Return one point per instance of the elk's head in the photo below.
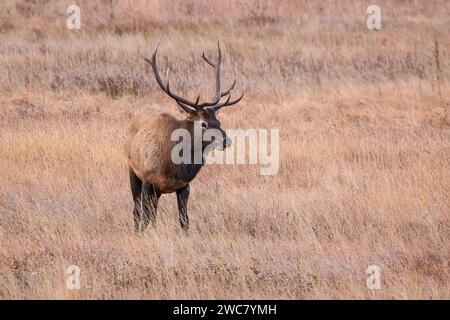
(203, 114)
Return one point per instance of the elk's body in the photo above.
(149, 149)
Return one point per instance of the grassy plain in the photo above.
(364, 172)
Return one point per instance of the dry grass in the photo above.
(364, 176)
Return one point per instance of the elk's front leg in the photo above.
(150, 197)
(182, 199)
(136, 189)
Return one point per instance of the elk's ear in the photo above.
(185, 109)
(182, 110)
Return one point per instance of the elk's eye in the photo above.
(204, 125)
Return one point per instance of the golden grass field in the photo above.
(364, 174)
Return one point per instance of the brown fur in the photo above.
(148, 152)
(149, 147)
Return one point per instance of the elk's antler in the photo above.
(182, 102)
(186, 104)
(219, 94)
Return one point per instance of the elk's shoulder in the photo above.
(153, 120)
(149, 129)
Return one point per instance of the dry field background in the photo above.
(364, 131)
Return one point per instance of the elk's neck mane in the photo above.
(189, 171)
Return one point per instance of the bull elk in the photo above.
(149, 146)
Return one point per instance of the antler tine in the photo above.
(230, 103)
(237, 100)
(219, 61)
(224, 93)
(208, 60)
(167, 79)
(216, 66)
(220, 52)
(226, 101)
(191, 105)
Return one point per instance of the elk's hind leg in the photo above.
(150, 196)
(136, 189)
(182, 199)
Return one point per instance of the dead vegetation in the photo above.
(364, 176)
